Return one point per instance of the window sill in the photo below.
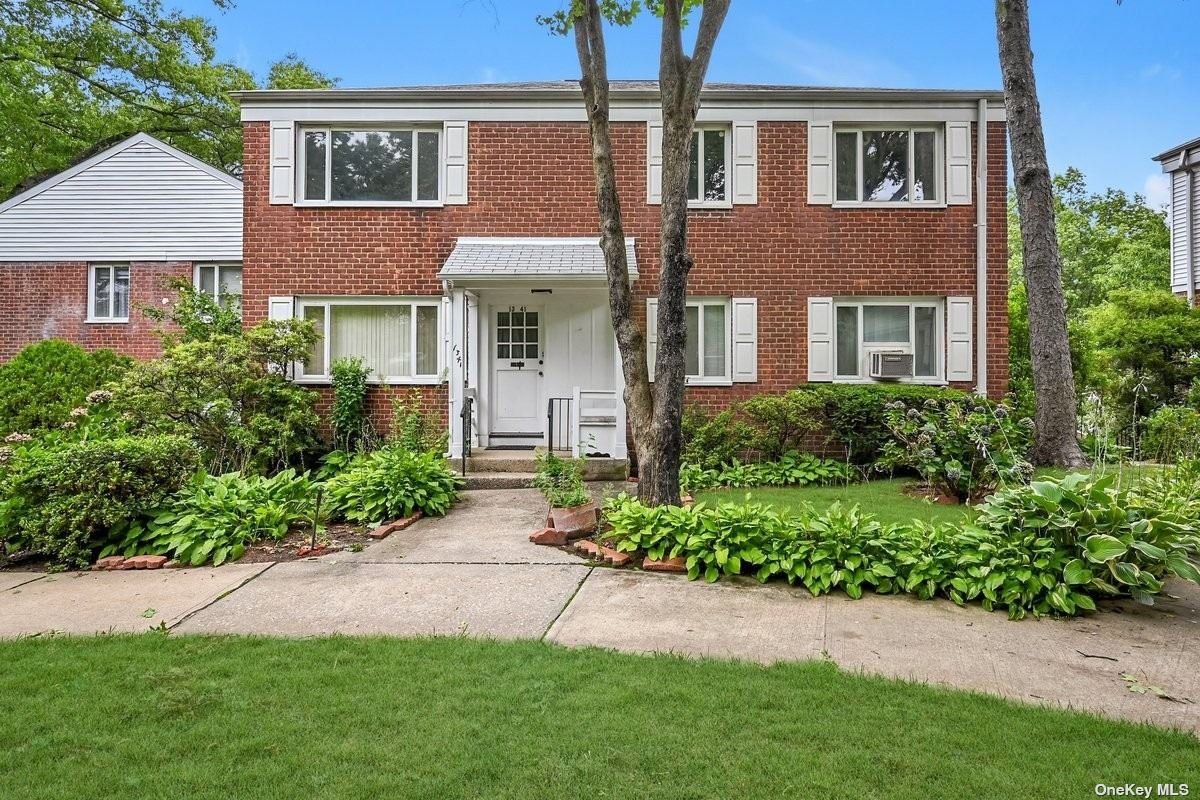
(707, 382)
(107, 320)
(695, 206)
(367, 204)
(848, 204)
(910, 381)
(322, 380)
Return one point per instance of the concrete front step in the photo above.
(486, 462)
(499, 480)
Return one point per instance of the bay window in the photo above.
(706, 354)
(108, 293)
(877, 165)
(707, 184)
(397, 340)
(221, 282)
(391, 166)
(892, 325)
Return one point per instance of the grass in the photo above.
(156, 716)
(883, 498)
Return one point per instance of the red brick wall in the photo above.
(49, 301)
(535, 179)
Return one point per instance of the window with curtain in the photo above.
(397, 341)
(108, 290)
(909, 326)
(706, 353)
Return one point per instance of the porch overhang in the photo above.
(492, 260)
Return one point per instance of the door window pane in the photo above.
(847, 340)
(714, 341)
(102, 292)
(315, 363)
(714, 165)
(691, 352)
(925, 166)
(372, 165)
(314, 165)
(847, 166)
(925, 342)
(427, 165)
(427, 340)
(885, 324)
(120, 300)
(885, 166)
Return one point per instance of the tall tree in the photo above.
(655, 409)
(77, 75)
(1055, 434)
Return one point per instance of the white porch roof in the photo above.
(503, 258)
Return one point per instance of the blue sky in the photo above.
(1113, 79)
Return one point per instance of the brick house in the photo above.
(447, 235)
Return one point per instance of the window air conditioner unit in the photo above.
(891, 364)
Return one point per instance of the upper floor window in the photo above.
(108, 293)
(222, 283)
(371, 166)
(707, 184)
(887, 165)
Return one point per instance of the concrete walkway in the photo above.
(474, 573)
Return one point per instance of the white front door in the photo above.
(517, 354)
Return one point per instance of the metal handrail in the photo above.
(553, 420)
(466, 415)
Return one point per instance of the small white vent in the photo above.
(891, 365)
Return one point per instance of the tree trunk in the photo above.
(1055, 435)
(655, 410)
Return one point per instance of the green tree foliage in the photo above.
(79, 75)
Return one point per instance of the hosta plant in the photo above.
(793, 469)
(393, 482)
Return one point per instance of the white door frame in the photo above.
(534, 431)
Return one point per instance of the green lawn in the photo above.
(882, 498)
(157, 716)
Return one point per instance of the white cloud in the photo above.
(820, 63)
(490, 75)
(1152, 71)
(1158, 190)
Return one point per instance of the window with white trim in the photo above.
(222, 283)
(379, 166)
(862, 326)
(398, 340)
(108, 293)
(707, 355)
(887, 165)
(708, 183)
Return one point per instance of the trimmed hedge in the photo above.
(42, 384)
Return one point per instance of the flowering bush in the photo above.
(962, 447)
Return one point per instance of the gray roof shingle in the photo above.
(498, 257)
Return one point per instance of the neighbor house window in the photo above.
(887, 165)
(396, 339)
(222, 283)
(108, 293)
(707, 353)
(389, 166)
(707, 181)
(905, 326)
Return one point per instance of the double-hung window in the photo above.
(222, 283)
(888, 165)
(707, 354)
(108, 293)
(708, 183)
(397, 339)
(360, 166)
(891, 325)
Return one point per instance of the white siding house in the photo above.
(1182, 163)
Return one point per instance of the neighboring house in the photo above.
(1182, 163)
(448, 236)
(81, 251)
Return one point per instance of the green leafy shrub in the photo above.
(214, 517)
(41, 385)
(413, 428)
(348, 416)
(1049, 547)
(65, 501)
(1171, 433)
(393, 482)
(793, 469)
(229, 393)
(780, 423)
(560, 480)
(195, 316)
(709, 442)
(962, 447)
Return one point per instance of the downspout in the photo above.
(1189, 219)
(981, 251)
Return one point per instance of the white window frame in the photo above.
(698, 159)
(329, 303)
(939, 172)
(865, 348)
(112, 282)
(726, 378)
(217, 267)
(302, 170)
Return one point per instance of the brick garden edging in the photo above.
(388, 528)
(133, 562)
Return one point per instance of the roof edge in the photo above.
(1177, 149)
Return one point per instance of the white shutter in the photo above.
(279, 308)
(820, 338)
(651, 333)
(820, 163)
(454, 135)
(1193, 224)
(654, 143)
(1180, 244)
(283, 147)
(958, 163)
(745, 340)
(958, 339)
(745, 163)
